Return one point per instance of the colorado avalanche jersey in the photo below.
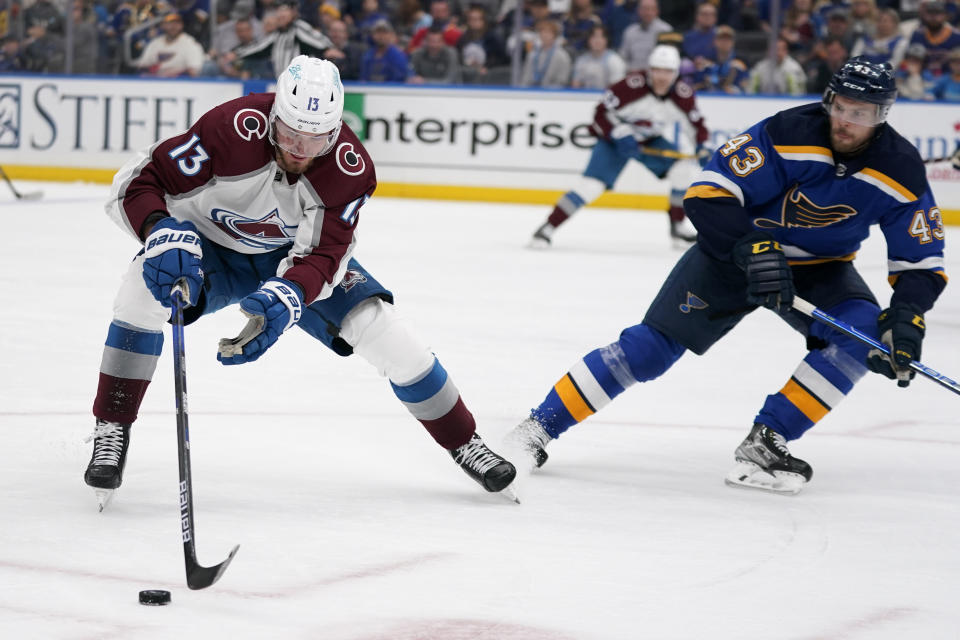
(631, 106)
(222, 175)
(781, 176)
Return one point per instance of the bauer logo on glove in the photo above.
(173, 253)
(183, 238)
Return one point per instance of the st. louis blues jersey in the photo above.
(222, 175)
(781, 176)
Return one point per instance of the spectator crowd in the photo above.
(730, 46)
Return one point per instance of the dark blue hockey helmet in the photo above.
(860, 79)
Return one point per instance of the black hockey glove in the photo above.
(955, 159)
(769, 279)
(901, 328)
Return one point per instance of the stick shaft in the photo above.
(808, 309)
(666, 153)
(198, 577)
(9, 182)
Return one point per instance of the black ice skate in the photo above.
(493, 472)
(764, 462)
(529, 440)
(105, 471)
(542, 237)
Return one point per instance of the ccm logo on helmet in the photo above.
(348, 160)
(249, 123)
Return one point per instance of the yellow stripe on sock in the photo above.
(572, 399)
(801, 399)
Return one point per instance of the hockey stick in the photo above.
(667, 153)
(951, 158)
(198, 577)
(30, 195)
(808, 309)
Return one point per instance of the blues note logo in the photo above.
(693, 302)
(799, 211)
(9, 116)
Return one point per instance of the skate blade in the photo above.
(104, 496)
(509, 493)
(750, 476)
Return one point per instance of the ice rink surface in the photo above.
(354, 525)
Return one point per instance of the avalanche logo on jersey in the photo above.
(799, 211)
(348, 160)
(351, 279)
(269, 232)
(249, 123)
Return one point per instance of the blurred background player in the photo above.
(257, 203)
(631, 122)
(783, 208)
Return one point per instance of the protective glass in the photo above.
(305, 145)
(857, 112)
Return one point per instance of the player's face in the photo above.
(851, 124)
(661, 80)
(292, 162)
(296, 150)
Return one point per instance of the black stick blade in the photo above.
(202, 577)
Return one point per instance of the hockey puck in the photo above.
(155, 597)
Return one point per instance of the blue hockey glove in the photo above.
(273, 308)
(703, 155)
(902, 329)
(172, 252)
(769, 278)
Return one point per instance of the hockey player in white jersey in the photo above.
(636, 120)
(257, 204)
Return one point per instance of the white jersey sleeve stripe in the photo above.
(933, 262)
(818, 385)
(589, 386)
(887, 189)
(720, 180)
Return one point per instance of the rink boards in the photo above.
(500, 145)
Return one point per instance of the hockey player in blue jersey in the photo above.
(782, 209)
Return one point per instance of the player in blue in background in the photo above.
(781, 209)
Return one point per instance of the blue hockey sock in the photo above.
(824, 377)
(435, 401)
(641, 354)
(130, 357)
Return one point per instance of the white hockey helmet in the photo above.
(665, 56)
(307, 112)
